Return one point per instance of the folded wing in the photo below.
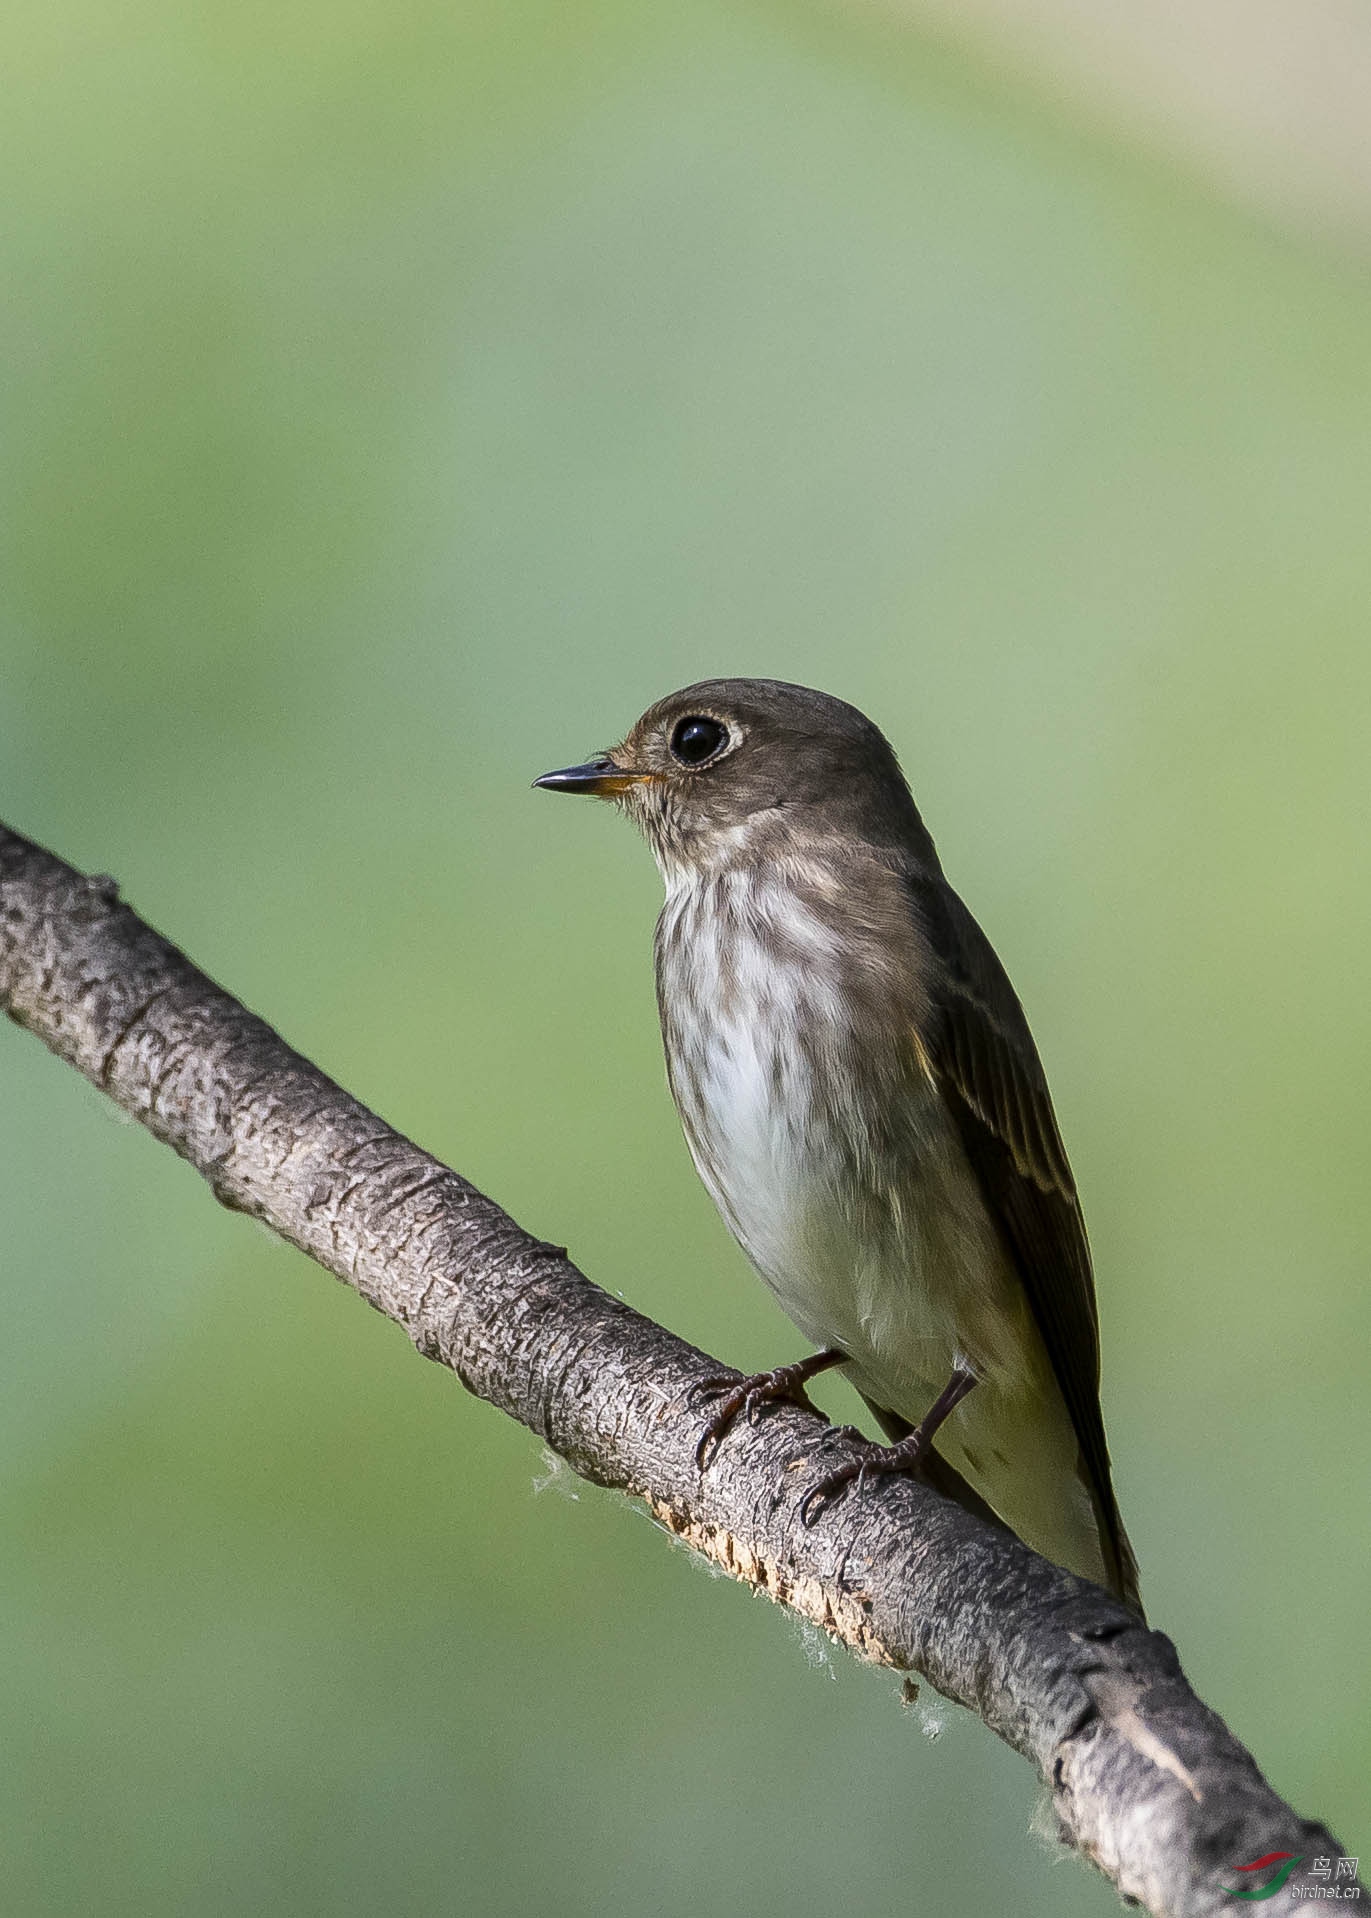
(982, 1052)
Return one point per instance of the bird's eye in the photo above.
(697, 739)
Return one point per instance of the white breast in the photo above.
(869, 1232)
(746, 1094)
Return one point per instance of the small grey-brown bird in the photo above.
(863, 1100)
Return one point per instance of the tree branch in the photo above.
(1147, 1782)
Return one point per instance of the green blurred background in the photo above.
(399, 398)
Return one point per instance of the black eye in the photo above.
(697, 739)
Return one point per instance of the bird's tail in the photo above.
(1120, 1562)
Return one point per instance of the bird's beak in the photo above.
(600, 777)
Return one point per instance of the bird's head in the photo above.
(738, 769)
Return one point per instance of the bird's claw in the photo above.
(747, 1396)
(822, 1494)
(713, 1435)
(879, 1461)
(705, 1388)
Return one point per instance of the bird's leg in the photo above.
(751, 1394)
(906, 1456)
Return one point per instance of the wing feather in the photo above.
(983, 1055)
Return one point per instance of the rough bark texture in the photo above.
(1147, 1782)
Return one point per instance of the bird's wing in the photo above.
(982, 1054)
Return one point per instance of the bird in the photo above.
(865, 1104)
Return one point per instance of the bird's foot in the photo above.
(876, 1462)
(749, 1395)
(880, 1460)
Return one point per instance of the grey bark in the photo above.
(1146, 1781)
